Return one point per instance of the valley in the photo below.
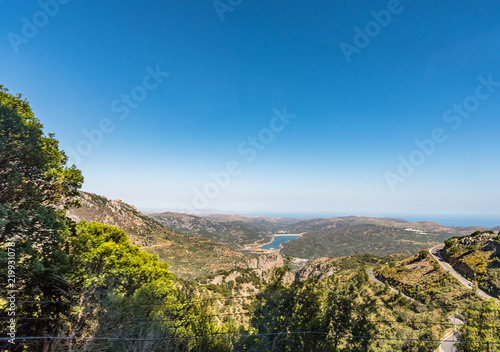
(200, 245)
(234, 258)
(250, 176)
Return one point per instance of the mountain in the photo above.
(234, 234)
(348, 221)
(270, 224)
(351, 239)
(350, 235)
(190, 256)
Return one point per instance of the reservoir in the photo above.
(275, 244)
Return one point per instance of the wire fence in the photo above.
(237, 341)
(45, 341)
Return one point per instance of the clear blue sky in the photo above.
(360, 101)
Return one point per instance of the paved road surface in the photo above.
(448, 341)
(434, 251)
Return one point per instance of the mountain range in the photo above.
(198, 245)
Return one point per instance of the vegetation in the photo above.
(422, 278)
(336, 309)
(34, 185)
(190, 256)
(481, 331)
(478, 257)
(88, 284)
(359, 239)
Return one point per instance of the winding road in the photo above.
(434, 251)
(372, 277)
(449, 340)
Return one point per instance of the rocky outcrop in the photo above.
(222, 279)
(113, 212)
(262, 263)
(320, 268)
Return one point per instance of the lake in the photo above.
(275, 244)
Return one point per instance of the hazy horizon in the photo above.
(465, 220)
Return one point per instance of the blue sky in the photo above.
(204, 77)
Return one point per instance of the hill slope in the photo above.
(269, 224)
(349, 221)
(476, 256)
(358, 239)
(232, 234)
(189, 255)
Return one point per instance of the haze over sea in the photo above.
(444, 219)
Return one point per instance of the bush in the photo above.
(218, 289)
(449, 242)
(454, 250)
(423, 254)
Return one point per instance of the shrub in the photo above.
(423, 254)
(449, 242)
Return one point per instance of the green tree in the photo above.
(481, 329)
(36, 186)
(85, 279)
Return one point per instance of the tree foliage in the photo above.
(36, 186)
(481, 331)
(81, 279)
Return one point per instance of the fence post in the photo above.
(45, 341)
(306, 341)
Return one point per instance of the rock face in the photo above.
(262, 263)
(462, 268)
(115, 213)
(320, 268)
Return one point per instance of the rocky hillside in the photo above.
(190, 256)
(325, 267)
(234, 234)
(476, 256)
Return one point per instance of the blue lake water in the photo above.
(275, 244)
